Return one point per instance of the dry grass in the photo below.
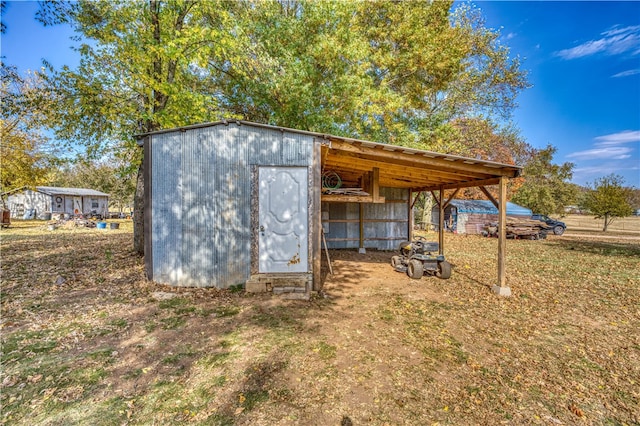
(84, 341)
(629, 224)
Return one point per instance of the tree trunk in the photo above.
(426, 212)
(606, 222)
(138, 212)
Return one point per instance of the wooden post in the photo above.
(410, 204)
(316, 217)
(361, 248)
(501, 288)
(441, 221)
(375, 184)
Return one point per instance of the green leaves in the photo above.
(546, 189)
(396, 72)
(607, 198)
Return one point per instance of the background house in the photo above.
(469, 216)
(46, 200)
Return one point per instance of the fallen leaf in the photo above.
(576, 410)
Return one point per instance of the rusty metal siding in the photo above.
(201, 199)
(465, 222)
(385, 225)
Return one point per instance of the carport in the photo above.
(369, 165)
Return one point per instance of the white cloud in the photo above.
(614, 41)
(618, 138)
(605, 168)
(627, 73)
(614, 31)
(606, 152)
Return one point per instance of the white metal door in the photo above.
(283, 226)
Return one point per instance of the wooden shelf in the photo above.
(337, 198)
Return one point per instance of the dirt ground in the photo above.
(87, 340)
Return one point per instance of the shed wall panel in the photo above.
(166, 208)
(202, 184)
(385, 224)
(269, 147)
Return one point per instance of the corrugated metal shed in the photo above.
(487, 207)
(201, 183)
(203, 192)
(470, 216)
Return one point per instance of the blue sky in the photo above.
(583, 60)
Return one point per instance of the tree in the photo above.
(546, 188)
(301, 66)
(141, 70)
(393, 72)
(396, 72)
(23, 151)
(634, 201)
(3, 6)
(482, 139)
(608, 199)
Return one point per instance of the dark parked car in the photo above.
(555, 225)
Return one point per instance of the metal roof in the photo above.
(487, 207)
(400, 167)
(79, 192)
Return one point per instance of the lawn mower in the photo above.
(417, 259)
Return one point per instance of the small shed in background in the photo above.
(470, 216)
(43, 201)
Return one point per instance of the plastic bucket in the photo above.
(114, 225)
(101, 225)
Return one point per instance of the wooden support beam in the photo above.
(489, 196)
(441, 222)
(435, 197)
(375, 183)
(415, 199)
(316, 217)
(451, 198)
(501, 288)
(410, 224)
(346, 162)
(463, 184)
(361, 248)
